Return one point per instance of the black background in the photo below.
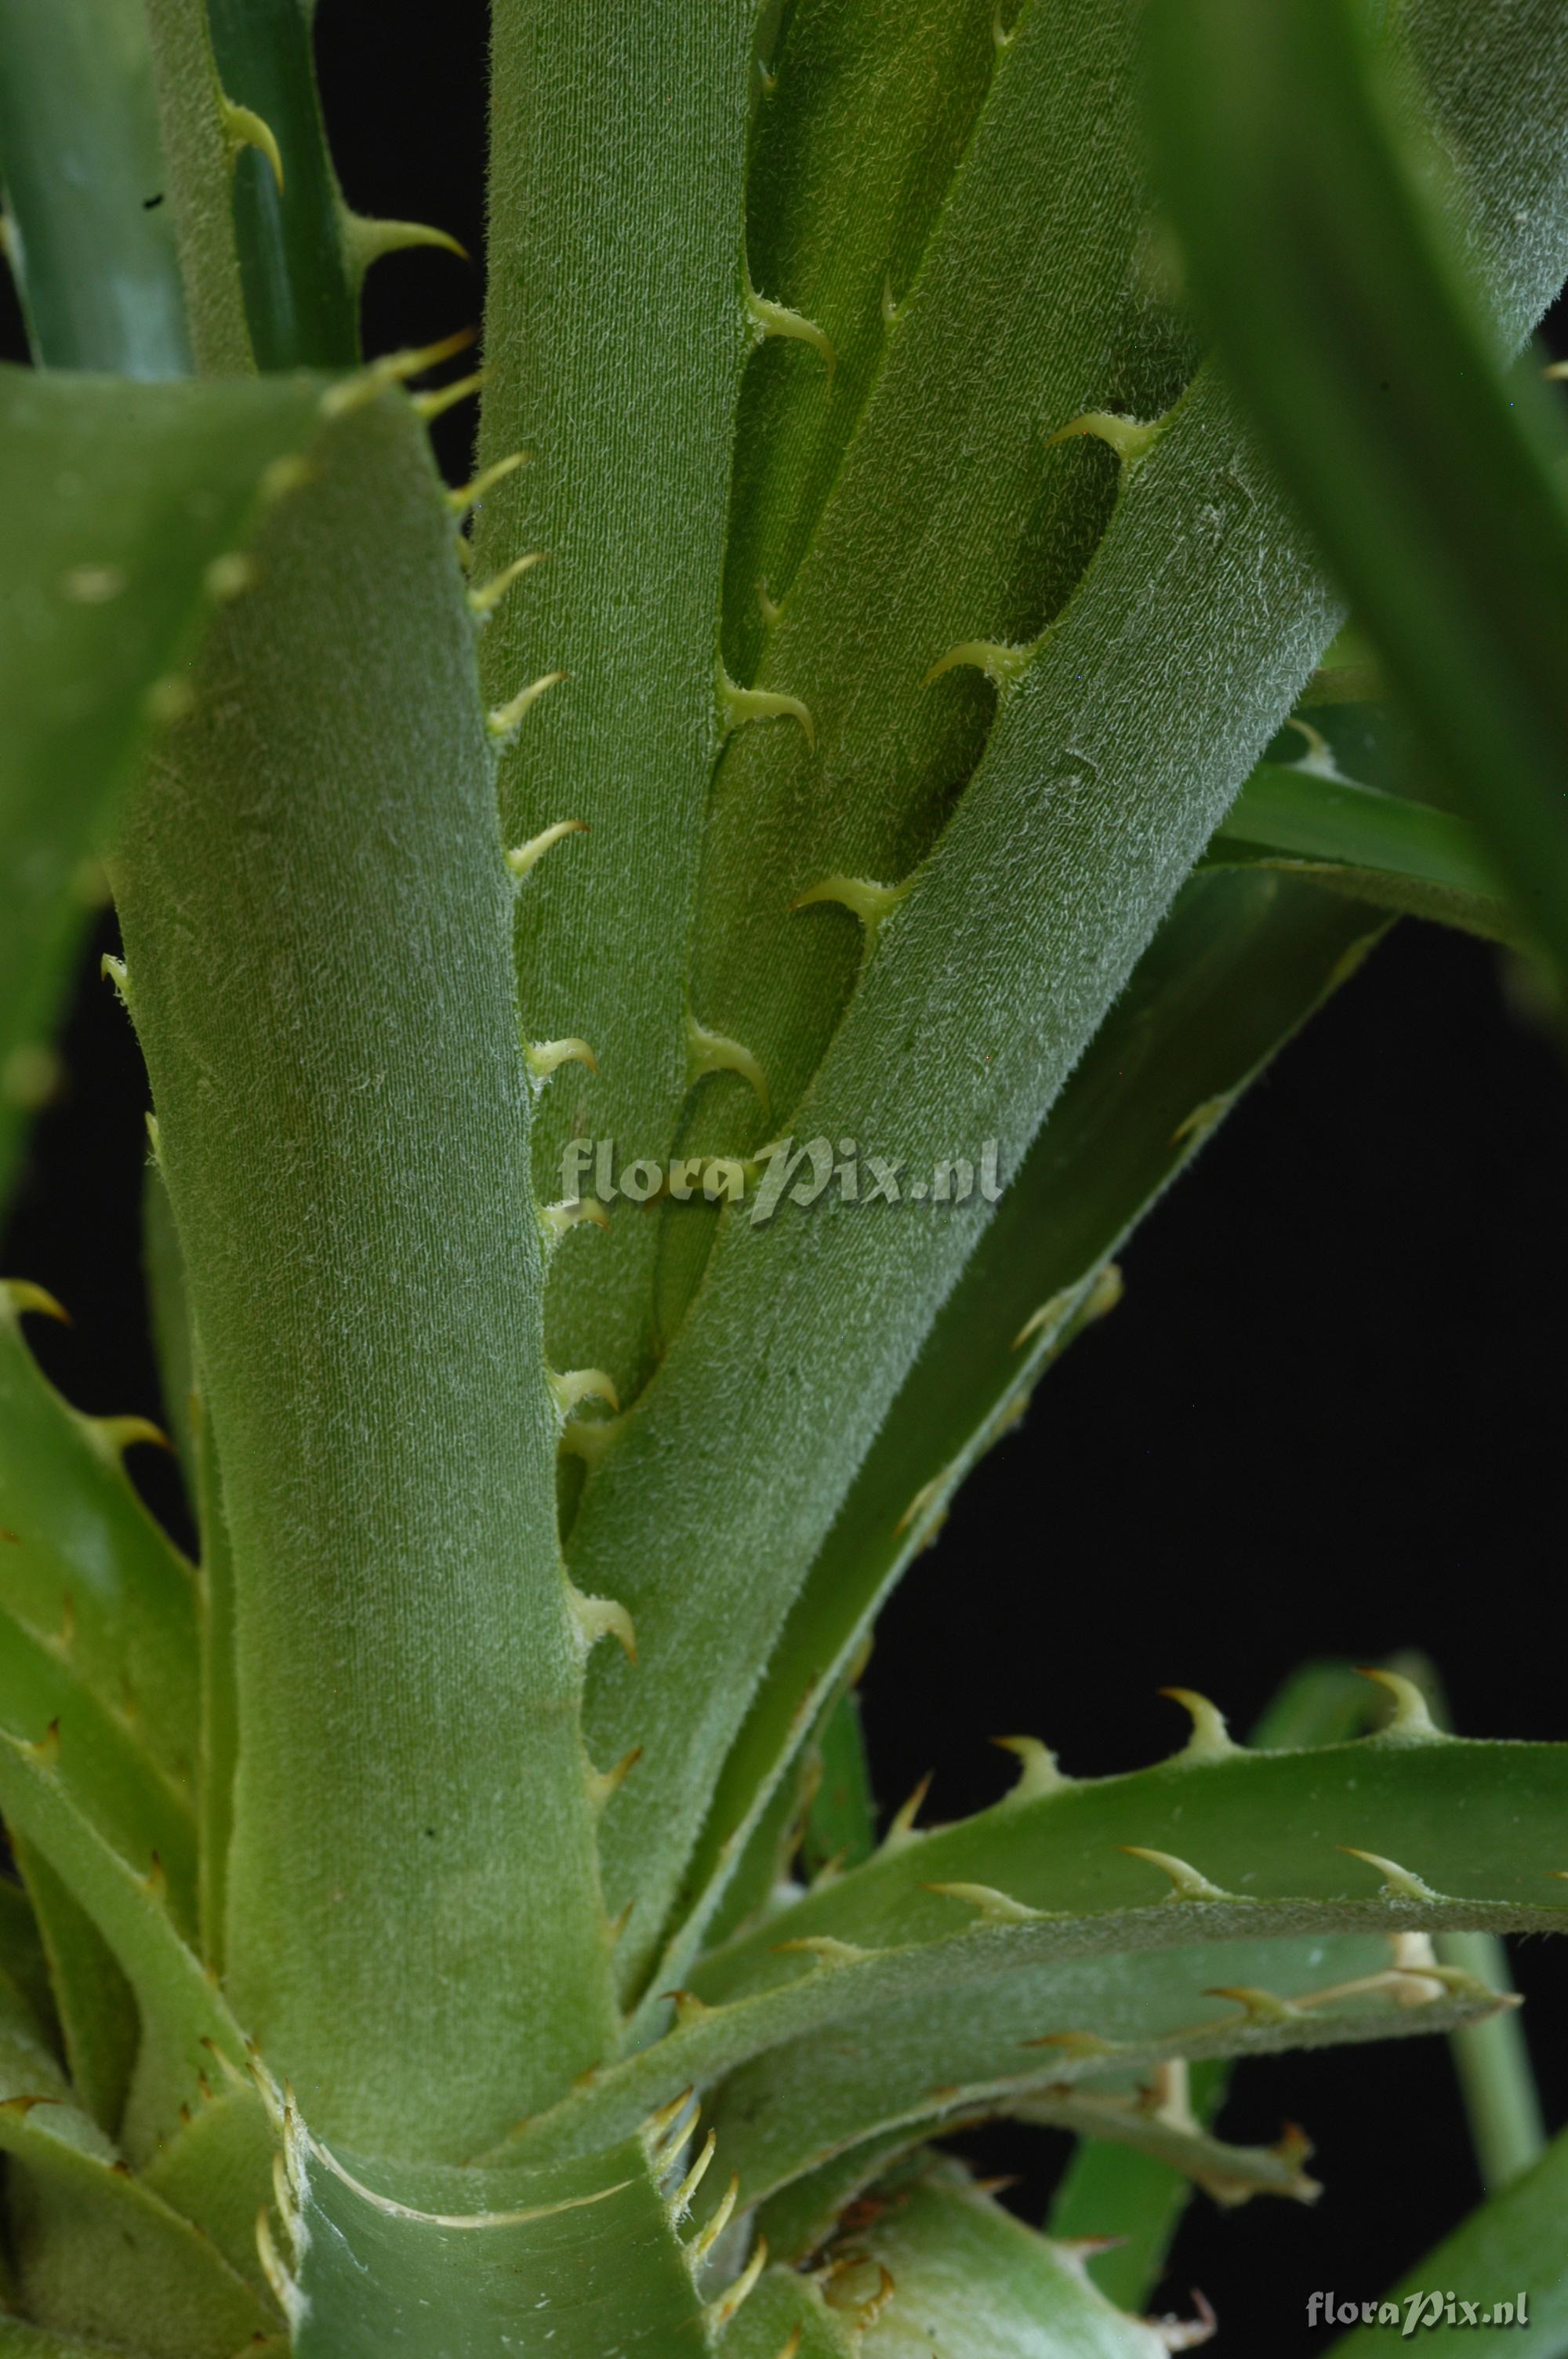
(1326, 1419)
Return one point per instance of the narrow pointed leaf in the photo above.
(626, 604)
(1238, 964)
(1473, 1821)
(1401, 856)
(1373, 381)
(967, 2277)
(90, 1998)
(301, 296)
(84, 1571)
(85, 188)
(104, 582)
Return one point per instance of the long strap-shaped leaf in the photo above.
(1059, 1874)
(94, 248)
(1401, 856)
(940, 2264)
(184, 2022)
(108, 571)
(317, 916)
(1457, 1816)
(1092, 800)
(616, 256)
(83, 1568)
(1371, 376)
(1238, 963)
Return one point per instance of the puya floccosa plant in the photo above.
(845, 704)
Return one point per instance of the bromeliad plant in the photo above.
(831, 712)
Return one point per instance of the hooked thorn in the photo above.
(601, 1617)
(470, 495)
(1129, 438)
(1000, 661)
(21, 1295)
(737, 706)
(995, 1908)
(483, 600)
(544, 1057)
(1210, 1740)
(504, 721)
(242, 127)
(1411, 1716)
(570, 1385)
(1040, 1773)
(526, 857)
(1187, 1883)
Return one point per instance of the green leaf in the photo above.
(101, 1595)
(201, 141)
(184, 2021)
(102, 1761)
(301, 295)
(995, 991)
(1044, 1880)
(1149, 2130)
(22, 1951)
(585, 2257)
(1114, 2191)
(93, 233)
(857, 142)
(1463, 1817)
(95, 2251)
(89, 1996)
(348, 1168)
(906, 2067)
(1401, 856)
(107, 577)
(840, 1820)
(942, 2266)
(1371, 377)
(623, 117)
(1510, 2246)
(1237, 965)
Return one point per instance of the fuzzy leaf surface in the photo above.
(629, 116)
(105, 583)
(970, 2280)
(349, 1172)
(103, 1600)
(1238, 963)
(1370, 372)
(578, 2260)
